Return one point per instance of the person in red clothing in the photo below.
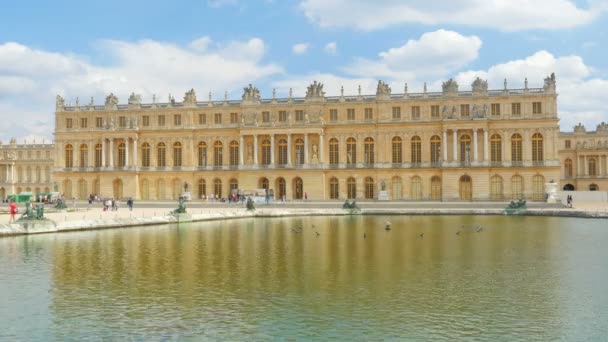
(13, 209)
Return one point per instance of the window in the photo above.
(217, 188)
(333, 115)
(350, 114)
(538, 188)
(177, 154)
(568, 144)
(202, 153)
(122, 121)
(160, 155)
(495, 108)
(69, 156)
(369, 114)
(145, 120)
(121, 155)
(218, 154)
(435, 149)
(416, 188)
(234, 185)
(536, 108)
(466, 188)
(334, 156)
(351, 151)
(592, 167)
(416, 148)
(299, 151)
(496, 188)
(568, 168)
(202, 188)
(397, 150)
(516, 109)
(265, 116)
(436, 188)
(495, 148)
(282, 116)
(234, 153)
(435, 111)
(234, 118)
(396, 113)
(177, 120)
(351, 188)
(369, 188)
(84, 155)
(83, 122)
(368, 150)
(415, 112)
(464, 111)
(99, 122)
(516, 148)
(333, 188)
(299, 115)
(161, 120)
(465, 148)
(202, 119)
(517, 187)
(68, 123)
(217, 118)
(265, 152)
(537, 148)
(282, 152)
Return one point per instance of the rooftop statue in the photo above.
(190, 97)
(550, 82)
(251, 93)
(59, 103)
(579, 128)
(383, 89)
(134, 99)
(450, 87)
(315, 90)
(111, 100)
(479, 86)
(602, 127)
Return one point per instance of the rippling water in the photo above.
(519, 278)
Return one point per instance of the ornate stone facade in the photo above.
(25, 167)
(451, 145)
(584, 158)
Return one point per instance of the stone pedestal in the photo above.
(383, 195)
(187, 196)
(551, 191)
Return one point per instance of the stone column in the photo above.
(305, 148)
(241, 146)
(475, 154)
(455, 147)
(111, 152)
(445, 145)
(135, 161)
(585, 166)
(288, 149)
(321, 150)
(600, 168)
(103, 152)
(127, 164)
(579, 171)
(486, 146)
(255, 149)
(272, 149)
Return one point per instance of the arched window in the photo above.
(436, 188)
(351, 151)
(218, 156)
(217, 188)
(98, 155)
(397, 150)
(263, 183)
(594, 187)
(177, 154)
(466, 188)
(234, 153)
(298, 188)
(369, 188)
(145, 155)
(465, 148)
(334, 154)
(538, 188)
(516, 149)
(368, 150)
(496, 148)
(202, 188)
(282, 160)
(351, 188)
(161, 159)
(333, 188)
(265, 152)
(517, 187)
(299, 151)
(537, 148)
(121, 155)
(202, 154)
(69, 156)
(568, 168)
(435, 149)
(234, 186)
(281, 188)
(496, 192)
(416, 188)
(161, 190)
(396, 188)
(84, 155)
(592, 167)
(416, 148)
(568, 187)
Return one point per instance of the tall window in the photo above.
(495, 109)
(161, 158)
(416, 188)
(161, 120)
(464, 111)
(84, 122)
(177, 154)
(177, 120)
(435, 149)
(145, 120)
(265, 116)
(122, 155)
(202, 153)
(333, 115)
(537, 148)
(568, 168)
(84, 155)
(415, 112)
(282, 152)
(217, 118)
(397, 150)
(517, 187)
(98, 122)
(351, 151)
(516, 148)
(218, 154)
(122, 121)
(436, 188)
(234, 185)
(334, 155)
(592, 167)
(465, 148)
(350, 114)
(496, 192)
(217, 188)
(368, 146)
(202, 119)
(396, 113)
(263, 183)
(234, 153)
(369, 188)
(281, 188)
(98, 155)
(466, 188)
(299, 115)
(495, 148)
(536, 108)
(234, 118)
(145, 155)
(416, 149)
(333, 188)
(265, 152)
(435, 111)
(202, 188)
(516, 109)
(68, 123)
(568, 143)
(351, 188)
(282, 116)
(299, 151)
(69, 156)
(369, 114)
(538, 188)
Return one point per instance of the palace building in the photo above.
(25, 168)
(477, 144)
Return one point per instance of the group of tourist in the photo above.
(569, 201)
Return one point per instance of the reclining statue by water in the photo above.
(350, 205)
(31, 214)
(181, 208)
(250, 205)
(61, 204)
(520, 204)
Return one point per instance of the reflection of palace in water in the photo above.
(25, 167)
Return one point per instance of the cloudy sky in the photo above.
(83, 50)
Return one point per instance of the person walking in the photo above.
(130, 204)
(13, 209)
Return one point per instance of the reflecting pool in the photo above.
(485, 278)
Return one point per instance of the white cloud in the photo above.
(331, 84)
(505, 15)
(435, 54)
(28, 87)
(331, 48)
(300, 48)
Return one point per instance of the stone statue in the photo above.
(450, 87)
(59, 103)
(111, 124)
(485, 110)
(77, 102)
(185, 187)
(181, 208)
(134, 99)
(444, 112)
(479, 86)
(453, 116)
(251, 93)
(349, 158)
(383, 89)
(190, 97)
(315, 90)
(383, 185)
(91, 103)
(550, 83)
(315, 157)
(111, 100)
(306, 118)
(579, 128)
(249, 154)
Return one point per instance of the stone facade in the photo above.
(25, 167)
(584, 157)
(451, 145)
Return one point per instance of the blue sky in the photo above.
(83, 49)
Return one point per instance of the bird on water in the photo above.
(421, 235)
